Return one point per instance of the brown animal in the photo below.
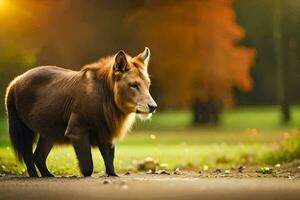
(90, 107)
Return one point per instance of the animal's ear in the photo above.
(145, 56)
(120, 64)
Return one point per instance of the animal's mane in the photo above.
(115, 122)
(105, 62)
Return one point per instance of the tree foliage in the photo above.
(195, 51)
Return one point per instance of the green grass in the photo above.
(187, 151)
(266, 118)
(170, 139)
(288, 151)
(261, 118)
(3, 131)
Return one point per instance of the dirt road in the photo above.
(149, 187)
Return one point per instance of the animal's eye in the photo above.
(134, 85)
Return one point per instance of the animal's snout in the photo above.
(152, 107)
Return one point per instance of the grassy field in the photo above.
(265, 118)
(247, 136)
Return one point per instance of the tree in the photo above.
(261, 20)
(281, 83)
(196, 58)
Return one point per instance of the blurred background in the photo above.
(222, 71)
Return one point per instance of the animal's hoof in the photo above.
(47, 175)
(87, 174)
(112, 175)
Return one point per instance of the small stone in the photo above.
(218, 170)
(106, 182)
(164, 172)
(150, 171)
(227, 171)
(149, 163)
(127, 173)
(241, 169)
(277, 165)
(177, 172)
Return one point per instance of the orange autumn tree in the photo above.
(195, 52)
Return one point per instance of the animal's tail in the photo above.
(21, 136)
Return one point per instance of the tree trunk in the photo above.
(281, 85)
(205, 112)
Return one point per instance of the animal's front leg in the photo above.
(79, 137)
(108, 154)
(83, 152)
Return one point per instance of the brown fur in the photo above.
(93, 106)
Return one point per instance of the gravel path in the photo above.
(149, 186)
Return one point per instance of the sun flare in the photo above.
(2, 5)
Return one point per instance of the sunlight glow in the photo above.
(2, 5)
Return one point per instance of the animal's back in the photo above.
(39, 97)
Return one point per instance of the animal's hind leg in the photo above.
(40, 155)
(83, 151)
(29, 161)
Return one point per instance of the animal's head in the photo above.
(132, 83)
